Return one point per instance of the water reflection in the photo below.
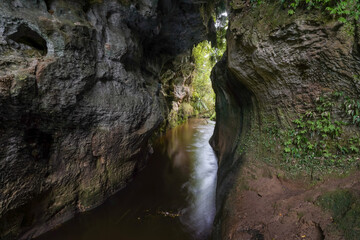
(172, 198)
(200, 213)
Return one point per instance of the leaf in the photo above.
(355, 118)
(310, 146)
(342, 20)
(354, 149)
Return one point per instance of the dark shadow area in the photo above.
(38, 143)
(181, 26)
(29, 37)
(48, 4)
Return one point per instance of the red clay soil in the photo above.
(265, 206)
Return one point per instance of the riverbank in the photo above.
(267, 205)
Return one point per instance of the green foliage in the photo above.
(213, 117)
(320, 142)
(186, 110)
(345, 209)
(206, 56)
(352, 109)
(221, 25)
(346, 11)
(196, 74)
(180, 115)
(258, 2)
(316, 143)
(203, 98)
(203, 94)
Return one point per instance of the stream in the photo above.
(172, 198)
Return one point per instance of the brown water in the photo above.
(173, 198)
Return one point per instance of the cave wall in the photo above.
(176, 78)
(275, 69)
(80, 95)
(236, 111)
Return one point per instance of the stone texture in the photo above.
(275, 68)
(79, 99)
(176, 87)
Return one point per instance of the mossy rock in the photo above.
(344, 206)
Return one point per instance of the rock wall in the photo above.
(275, 68)
(80, 95)
(177, 88)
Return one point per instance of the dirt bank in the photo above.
(266, 205)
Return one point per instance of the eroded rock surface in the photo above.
(275, 68)
(176, 87)
(80, 95)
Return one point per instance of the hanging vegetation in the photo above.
(205, 56)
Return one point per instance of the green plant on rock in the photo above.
(352, 109)
(203, 97)
(180, 115)
(317, 143)
(205, 56)
(346, 11)
(186, 110)
(213, 117)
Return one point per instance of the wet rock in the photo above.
(175, 85)
(79, 99)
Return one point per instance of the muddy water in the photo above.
(172, 198)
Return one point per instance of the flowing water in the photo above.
(173, 198)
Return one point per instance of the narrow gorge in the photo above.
(80, 98)
(86, 86)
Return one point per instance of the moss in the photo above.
(186, 110)
(264, 18)
(33, 53)
(180, 115)
(89, 197)
(21, 77)
(237, 4)
(345, 209)
(264, 140)
(273, 139)
(213, 117)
